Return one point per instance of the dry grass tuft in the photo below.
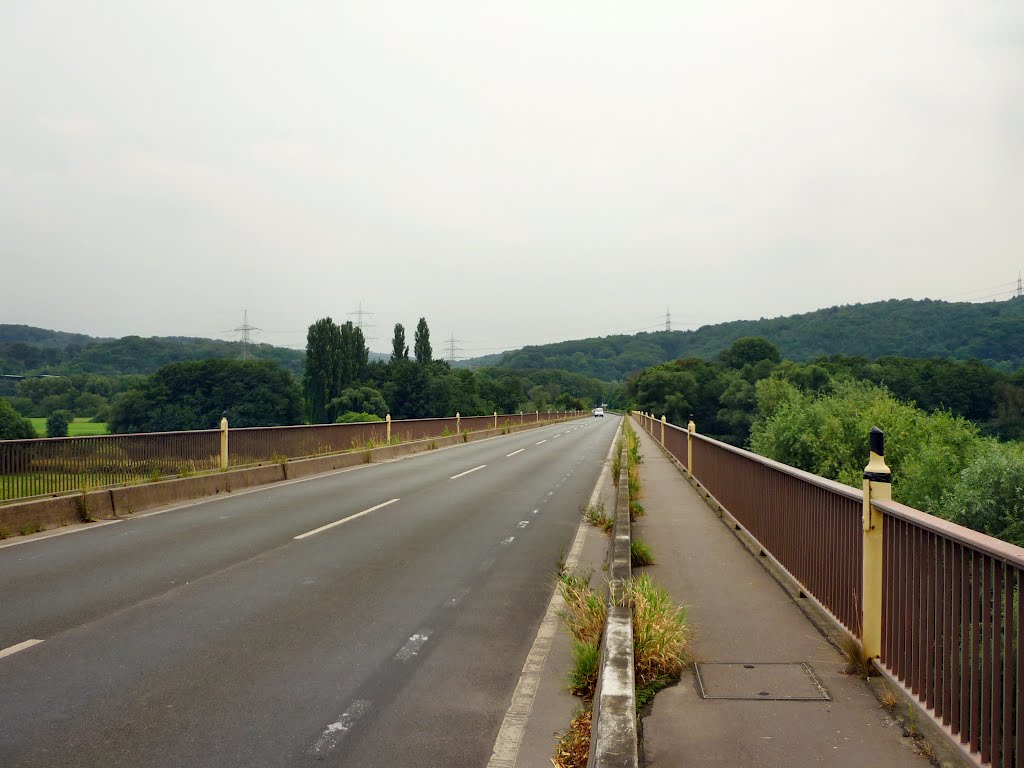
(856, 662)
(889, 698)
(573, 748)
(661, 636)
(585, 609)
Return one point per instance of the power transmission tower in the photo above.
(452, 349)
(1020, 285)
(668, 320)
(245, 329)
(361, 324)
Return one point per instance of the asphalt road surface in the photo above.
(248, 630)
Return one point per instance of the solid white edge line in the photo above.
(344, 520)
(19, 647)
(510, 735)
(508, 455)
(55, 534)
(463, 474)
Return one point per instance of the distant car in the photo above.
(599, 411)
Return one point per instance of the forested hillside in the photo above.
(25, 349)
(991, 332)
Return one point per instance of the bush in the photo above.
(989, 493)
(57, 423)
(12, 425)
(352, 417)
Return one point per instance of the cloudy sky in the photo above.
(517, 172)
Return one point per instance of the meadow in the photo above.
(77, 428)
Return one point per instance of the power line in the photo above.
(245, 329)
(361, 324)
(452, 349)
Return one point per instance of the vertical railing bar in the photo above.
(1008, 667)
(996, 693)
(956, 635)
(985, 659)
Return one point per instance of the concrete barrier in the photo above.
(56, 511)
(613, 730)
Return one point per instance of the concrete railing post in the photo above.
(691, 428)
(224, 442)
(662, 431)
(877, 485)
(387, 421)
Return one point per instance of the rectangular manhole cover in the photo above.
(760, 681)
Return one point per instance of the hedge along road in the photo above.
(260, 629)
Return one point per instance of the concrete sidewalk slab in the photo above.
(740, 614)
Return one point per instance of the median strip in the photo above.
(463, 474)
(19, 647)
(344, 520)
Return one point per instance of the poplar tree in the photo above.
(399, 349)
(423, 352)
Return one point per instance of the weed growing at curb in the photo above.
(597, 517)
(586, 659)
(661, 635)
(856, 662)
(82, 506)
(585, 608)
(4, 533)
(889, 698)
(636, 509)
(640, 554)
(29, 528)
(573, 748)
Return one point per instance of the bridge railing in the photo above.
(48, 466)
(952, 618)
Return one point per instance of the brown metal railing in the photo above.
(61, 465)
(952, 614)
(953, 628)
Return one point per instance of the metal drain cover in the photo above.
(760, 681)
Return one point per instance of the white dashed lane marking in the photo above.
(463, 474)
(11, 650)
(509, 455)
(411, 648)
(336, 731)
(344, 520)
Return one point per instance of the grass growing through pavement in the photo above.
(597, 517)
(661, 637)
(640, 554)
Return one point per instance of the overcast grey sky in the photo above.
(516, 172)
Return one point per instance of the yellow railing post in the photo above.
(662, 431)
(691, 428)
(520, 417)
(387, 420)
(877, 485)
(224, 442)
(458, 422)
(495, 419)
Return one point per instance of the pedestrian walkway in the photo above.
(741, 615)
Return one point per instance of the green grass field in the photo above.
(77, 428)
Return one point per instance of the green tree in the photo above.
(322, 379)
(194, 395)
(57, 423)
(748, 351)
(14, 426)
(360, 400)
(424, 354)
(399, 349)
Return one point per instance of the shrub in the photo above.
(57, 423)
(988, 495)
(12, 425)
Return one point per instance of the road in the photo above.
(241, 631)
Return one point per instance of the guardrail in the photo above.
(47, 466)
(949, 613)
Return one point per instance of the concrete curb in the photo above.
(613, 736)
(56, 511)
